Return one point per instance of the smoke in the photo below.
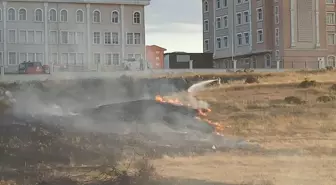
(72, 105)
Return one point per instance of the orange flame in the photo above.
(202, 113)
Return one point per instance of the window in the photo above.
(137, 38)
(107, 38)
(96, 58)
(80, 16)
(137, 56)
(276, 15)
(277, 54)
(1, 18)
(72, 59)
(225, 42)
(136, 18)
(260, 15)
(330, 1)
(108, 58)
(277, 36)
(115, 38)
(246, 17)
(218, 4)
(130, 56)
(22, 57)
(239, 18)
(1, 36)
(218, 23)
(247, 38)
(31, 56)
(330, 18)
(115, 17)
(38, 15)
(129, 38)
(64, 16)
(206, 25)
(11, 14)
(11, 36)
(116, 59)
(96, 37)
(79, 37)
(206, 45)
(239, 39)
(219, 43)
(53, 59)
(22, 14)
(39, 57)
(52, 15)
(331, 39)
(260, 36)
(12, 58)
(206, 6)
(239, 1)
(331, 61)
(38, 37)
(96, 16)
(1, 58)
(30, 37)
(65, 58)
(267, 60)
(22, 36)
(64, 37)
(225, 3)
(53, 37)
(225, 20)
(80, 59)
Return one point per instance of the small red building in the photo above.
(154, 55)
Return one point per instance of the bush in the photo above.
(326, 98)
(308, 83)
(333, 87)
(248, 70)
(251, 79)
(293, 100)
(329, 68)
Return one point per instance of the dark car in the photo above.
(33, 68)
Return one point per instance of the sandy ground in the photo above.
(299, 139)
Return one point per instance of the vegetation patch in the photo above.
(308, 83)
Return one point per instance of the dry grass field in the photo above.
(296, 126)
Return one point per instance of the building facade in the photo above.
(86, 33)
(154, 55)
(257, 33)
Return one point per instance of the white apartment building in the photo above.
(86, 33)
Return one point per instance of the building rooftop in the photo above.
(130, 2)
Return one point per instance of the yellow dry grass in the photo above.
(259, 114)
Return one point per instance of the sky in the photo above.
(175, 25)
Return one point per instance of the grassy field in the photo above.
(295, 124)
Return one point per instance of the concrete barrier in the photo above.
(106, 75)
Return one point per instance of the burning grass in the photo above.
(293, 123)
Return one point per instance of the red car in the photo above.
(33, 68)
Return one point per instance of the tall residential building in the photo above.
(257, 33)
(72, 32)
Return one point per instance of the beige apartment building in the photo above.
(258, 33)
(83, 34)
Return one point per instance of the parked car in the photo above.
(33, 68)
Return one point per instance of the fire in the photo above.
(202, 113)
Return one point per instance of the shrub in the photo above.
(248, 70)
(333, 87)
(308, 83)
(293, 100)
(251, 79)
(329, 68)
(325, 98)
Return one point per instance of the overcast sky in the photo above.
(175, 25)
